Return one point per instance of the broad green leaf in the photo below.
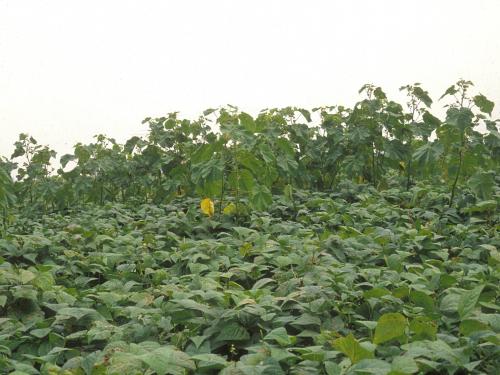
(371, 366)
(261, 198)
(306, 320)
(26, 276)
(452, 90)
(306, 114)
(470, 326)
(379, 94)
(332, 368)
(404, 365)
(422, 95)
(468, 301)
(423, 328)
(421, 299)
(449, 303)
(394, 262)
(243, 180)
(209, 361)
(279, 335)
(78, 312)
(483, 206)
(460, 118)
(428, 153)
(232, 332)
(482, 183)
(203, 153)
(484, 104)
(389, 326)
(248, 122)
(250, 162)
(376, 293)
(41, 332)
(123, 363)
(167, 360)
(352, 348)
(44, 280)
(432, 121)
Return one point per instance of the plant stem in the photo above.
(460, 159)
(222, 187)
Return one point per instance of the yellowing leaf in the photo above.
(207, 207)
(389, 327)
(230, 209)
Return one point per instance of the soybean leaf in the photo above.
(389, 326)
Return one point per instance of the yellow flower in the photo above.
(207, 207)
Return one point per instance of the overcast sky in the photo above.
(73, 69)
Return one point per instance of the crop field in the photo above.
(338, 241)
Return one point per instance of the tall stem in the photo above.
(222, 187)
(460, 160)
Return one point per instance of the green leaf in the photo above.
(233, 332)
(482, 184)
(470, 326)
(306, 114)
(248, 122)
(203, 153)
(468, 301)
(44, 281)
(209, 361)
(371, 366)
(428, 153)
(352, 348)
(449, 303)
(431, 120)
(422, 95)
(376, 293)
(421, 299)
(379, 94)
(243, 180)
(26, 276)
(42, 332)
(452, 90)
(261, 198)
(208, 111)
(484, 105)
(389, 326)
(460, 118)
(78, 313)
(483, 206)
(279, 335)
(251, 162)
(423, 328)
(404, 365)
(65, 159)
(167, 360)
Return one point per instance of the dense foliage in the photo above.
(228, 152)
(356, 240)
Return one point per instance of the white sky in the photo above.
(73, 69)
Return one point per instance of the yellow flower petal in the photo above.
(207, 207)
